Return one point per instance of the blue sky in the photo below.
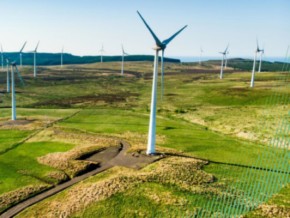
(82, 26)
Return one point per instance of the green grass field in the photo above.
(222, 121)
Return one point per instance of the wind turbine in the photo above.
(222, 63)
(8, 76)
(285, 65)
(201, 51)
(35, 51)
(20, 53)
(226, 59)
(102, 52)
(261, 54)
(123, 56)
(61, 58)
(254, 65)
(2, 58)
(159, 46)
(13, 97)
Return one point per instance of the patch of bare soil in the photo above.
(16, 122)
(24, 123)
(88, 99)
(202, 71)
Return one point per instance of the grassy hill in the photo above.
(215, 131)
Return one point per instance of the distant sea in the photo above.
(196, 59)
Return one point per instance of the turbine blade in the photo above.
(226, 51)
(258, 49)
(36, 47)
(23, 46)
(157, 41)
(123, 49)
(263, 49)
(166, 41)
(102, 49)
(19, 76)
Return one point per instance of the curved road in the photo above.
(118, 159)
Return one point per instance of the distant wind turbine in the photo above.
(102, 52)
(8, 76)
(20, 53)
(123, 57)
(159, 46)
(2, 58)
(201, 51)
(261, 54)
(224, 53)
(226, 59)
(254, 65)
(61, 57)
(13, 97)
(285, 65)
(34, 52)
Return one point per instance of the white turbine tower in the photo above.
(261, 54)
(226, 59)
(20, 53)
(254, 65)
(13, 97)
(222, 63)
(8, 76)
(159, 46)
(2, 58)
(123, 57)
(102, 52)
(34, 63)
(285, 65)
(61, 58)
(200, 57)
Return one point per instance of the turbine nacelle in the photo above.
(158, 48)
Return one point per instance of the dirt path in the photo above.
(121, 158)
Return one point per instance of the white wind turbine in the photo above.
(123, 57)
(286, 60)
(226, 59)
(102, 51)
(34, 63)
(8, 76)
(20, 53)
(200, 57)
(261, 54)
(223, 59)
(61, 58)
(2, 58)
(13, 97)
(159, 46)
(254, 65)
